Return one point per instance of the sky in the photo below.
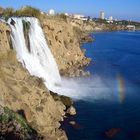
(119, 9)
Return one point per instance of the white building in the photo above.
(66, 14)
(51, 12)
(80, 17)
(102, 15)
(110, 18)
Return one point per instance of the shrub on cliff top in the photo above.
(25, 11)
(8, 12)
(28, 11)
(63, 16)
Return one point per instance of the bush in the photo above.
(26, 11)
(8, 12)
(63, 16)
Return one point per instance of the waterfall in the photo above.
(39, 61)
(37, 58)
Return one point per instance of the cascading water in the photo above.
(39, 61)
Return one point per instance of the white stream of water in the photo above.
(41, 63)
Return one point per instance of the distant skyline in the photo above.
(120, 9)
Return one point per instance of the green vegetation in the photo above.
(8, 12)
(25, 11)
(28, 11)
(63, 16)
(9, 115)
(15, 126)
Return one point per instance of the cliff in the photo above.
(91, 26)
(63, 40)
(22, 92)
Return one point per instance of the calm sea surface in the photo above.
(116, 61)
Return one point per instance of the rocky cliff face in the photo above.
(20, 91)
(65, 45)
(4, 38)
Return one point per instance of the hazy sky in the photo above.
(121, 9)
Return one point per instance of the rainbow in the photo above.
(121, 88)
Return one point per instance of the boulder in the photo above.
(71, 111)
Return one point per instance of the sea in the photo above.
(116, 62)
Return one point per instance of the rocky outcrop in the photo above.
(71, 111)
(65, 45)
(20, 91)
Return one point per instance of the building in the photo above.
(51, 12)
(110, 18)
(80, 17)
(102, 15)
(131, 27)
(66, 14)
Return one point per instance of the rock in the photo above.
(72, 122)
(29, 94)
(67, 101)
(12, 125)
(65, 45)
(12, 22)
(86, 38)
(71, 111)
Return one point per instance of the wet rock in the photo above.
(12, 22)
(67, 101)
(72, 122)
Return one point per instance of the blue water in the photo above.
(115, 55)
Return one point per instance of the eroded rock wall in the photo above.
(20, 91)
(65, 45)
(4, 39)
